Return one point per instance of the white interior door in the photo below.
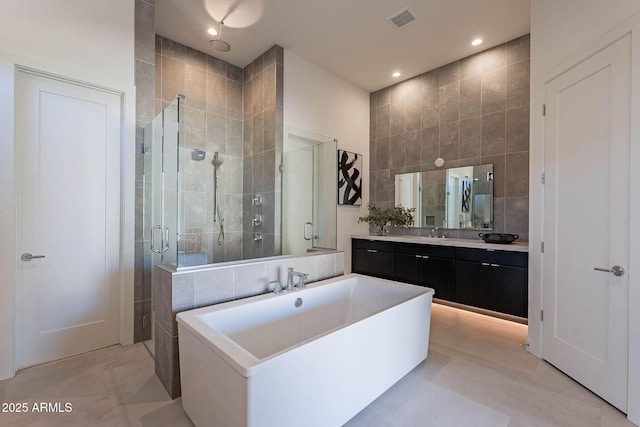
(586, 225)
(68, 189)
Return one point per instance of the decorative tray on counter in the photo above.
(499, 238)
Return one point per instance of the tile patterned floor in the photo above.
(477, 374)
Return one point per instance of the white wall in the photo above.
(563, 32)
(91, 41)
(320, 102)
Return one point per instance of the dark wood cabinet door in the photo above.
(435, 273)
(493, 287)
(508, 293)
(373, 263)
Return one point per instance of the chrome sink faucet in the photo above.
(291, 285)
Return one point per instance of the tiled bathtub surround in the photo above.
(469, 112)
(200, 286)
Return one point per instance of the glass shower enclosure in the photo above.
(200, 204)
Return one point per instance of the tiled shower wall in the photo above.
(213, 117)
(211, 120)
(262, 151)
(469, 112)
(145, 112)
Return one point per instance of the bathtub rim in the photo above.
(243, 361)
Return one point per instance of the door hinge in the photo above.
(542, 247)
(542, 315)
(543, 179)
(544, 109)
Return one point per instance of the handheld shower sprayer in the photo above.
(217, 215)
(217, 160)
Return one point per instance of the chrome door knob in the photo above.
(27, 256)
(616, 270)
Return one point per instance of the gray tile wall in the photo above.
(144, 15)
(262, 151)
(211, 120)
(179, 291)
(472, 111)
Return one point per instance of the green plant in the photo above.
(402, 217)
(398, 217)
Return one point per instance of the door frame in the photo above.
(536, 201)
(9, 66)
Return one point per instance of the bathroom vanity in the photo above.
(461, 271)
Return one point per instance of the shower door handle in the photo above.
(164, 238)
(310, 226)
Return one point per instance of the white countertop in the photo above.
(462, 243)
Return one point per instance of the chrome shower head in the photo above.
(219, 44)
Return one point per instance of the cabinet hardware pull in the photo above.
(373, 251)
(418, 256)
(495, 265)
(486, 264)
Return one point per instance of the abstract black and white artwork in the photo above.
(349, 178)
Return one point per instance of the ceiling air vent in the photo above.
(403, 17)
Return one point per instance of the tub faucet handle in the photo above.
(291, 285)
(273, 286)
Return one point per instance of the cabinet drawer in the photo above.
(516, 259)
(375, 245)
(446, 252)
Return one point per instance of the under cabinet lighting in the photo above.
(212, 31)
(396, 74)
(476, 42)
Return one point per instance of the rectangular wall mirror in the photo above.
(458, 198)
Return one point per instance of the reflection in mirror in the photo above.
(449, 198)
(309, 192)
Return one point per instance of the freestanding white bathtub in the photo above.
(262, 361)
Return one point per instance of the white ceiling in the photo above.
(351, 38)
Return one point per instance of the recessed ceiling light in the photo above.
(476, 42)
(212, 31)
(396, 74)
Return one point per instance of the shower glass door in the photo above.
(160, 207)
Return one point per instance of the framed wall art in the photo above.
(349, 178)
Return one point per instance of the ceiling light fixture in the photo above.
(212, 31)
(396, 74)
(476, 42)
